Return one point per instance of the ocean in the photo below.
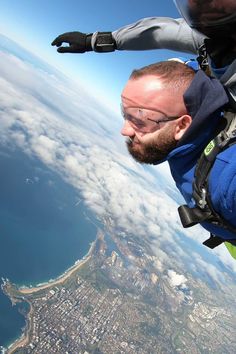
(44, 229)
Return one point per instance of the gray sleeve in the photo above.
(158, 33)
(228, 79)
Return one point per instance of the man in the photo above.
(171, 113)
(213, 18)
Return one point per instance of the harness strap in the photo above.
(203, 59)
(204, 210)
(213, 241)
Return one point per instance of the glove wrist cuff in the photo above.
(88, 42)
(103, 42)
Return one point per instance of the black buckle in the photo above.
(192, 216)
(213, 241)
(202, 57)
(104, 42)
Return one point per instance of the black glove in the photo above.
(78, 42)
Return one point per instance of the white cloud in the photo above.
(176, 279)
(45, 149)
(209, 269)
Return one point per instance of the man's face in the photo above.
(147, 104)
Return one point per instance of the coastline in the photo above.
(61, 279)
(24, 338)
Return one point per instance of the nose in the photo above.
(127, 129)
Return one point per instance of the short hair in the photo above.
(173, 74)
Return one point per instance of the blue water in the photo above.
(42, 230)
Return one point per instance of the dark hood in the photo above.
(204, 100)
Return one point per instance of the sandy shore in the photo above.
(57, 281)
(61, 278)
(24, 339)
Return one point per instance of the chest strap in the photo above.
(204, 211)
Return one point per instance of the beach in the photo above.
(24, 339)
(57, 281)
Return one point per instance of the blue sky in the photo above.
(34, 24)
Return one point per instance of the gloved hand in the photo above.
(78, 42)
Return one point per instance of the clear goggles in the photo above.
(145, 120)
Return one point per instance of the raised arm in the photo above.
(145, 34)
(158, 33)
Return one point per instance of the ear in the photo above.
(182, 125)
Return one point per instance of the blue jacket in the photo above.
(204, 100)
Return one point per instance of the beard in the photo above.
(153, 152)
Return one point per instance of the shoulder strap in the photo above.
(202, 59)
(204, 210)
(223, 140)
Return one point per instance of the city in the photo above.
(118, 301)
